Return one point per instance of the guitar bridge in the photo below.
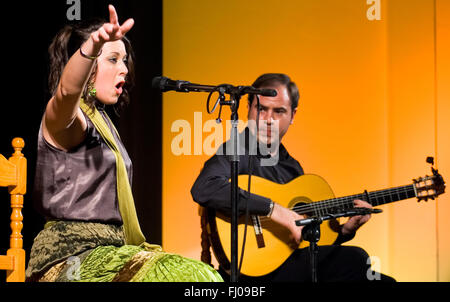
(258, 231)
(260, 241)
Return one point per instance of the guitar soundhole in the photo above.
(300, 205)
(303, 206)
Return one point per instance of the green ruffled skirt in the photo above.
(93, 252)
(130, 263)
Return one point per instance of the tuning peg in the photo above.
(419, 179)
(430, 160)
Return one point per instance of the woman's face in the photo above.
(111, 72)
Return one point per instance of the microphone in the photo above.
(260, 91)
(348, 213)
(362, 211)
(165, 84)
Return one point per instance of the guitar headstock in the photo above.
(429, 186)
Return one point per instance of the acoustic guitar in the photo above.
(308, 195)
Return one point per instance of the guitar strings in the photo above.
(341, 203)
(348, 200)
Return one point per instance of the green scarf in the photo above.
(132, 230)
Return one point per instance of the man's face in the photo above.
(273, 110)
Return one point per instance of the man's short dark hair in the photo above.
(275, 79)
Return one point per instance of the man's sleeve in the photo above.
(213, 189)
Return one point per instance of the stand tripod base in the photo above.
(311, 233)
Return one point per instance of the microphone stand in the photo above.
(235, 96)
(311, 232)
(235, 92)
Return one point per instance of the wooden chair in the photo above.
(13, 174)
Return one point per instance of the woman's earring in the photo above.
(91, 90)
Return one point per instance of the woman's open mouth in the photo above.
(119, 87)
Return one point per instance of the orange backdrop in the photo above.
(374, 84)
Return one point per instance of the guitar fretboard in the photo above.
(375, 198)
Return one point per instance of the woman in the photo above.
(83, 171)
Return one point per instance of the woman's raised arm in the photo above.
(64, 125)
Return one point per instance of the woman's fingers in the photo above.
(112, 31)
(113, 28)
(109, 28)
(94, 37)
(103, 34)
(126, 26)
(113, 19)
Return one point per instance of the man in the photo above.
(212, 188)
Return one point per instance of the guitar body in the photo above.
(278, 246)
(307, 195)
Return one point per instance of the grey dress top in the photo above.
(80, 184)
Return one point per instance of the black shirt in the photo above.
(213, 187)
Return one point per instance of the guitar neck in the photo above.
(380, 197)
(375, 198)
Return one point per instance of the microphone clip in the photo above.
(348, 213)
(179, 85)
